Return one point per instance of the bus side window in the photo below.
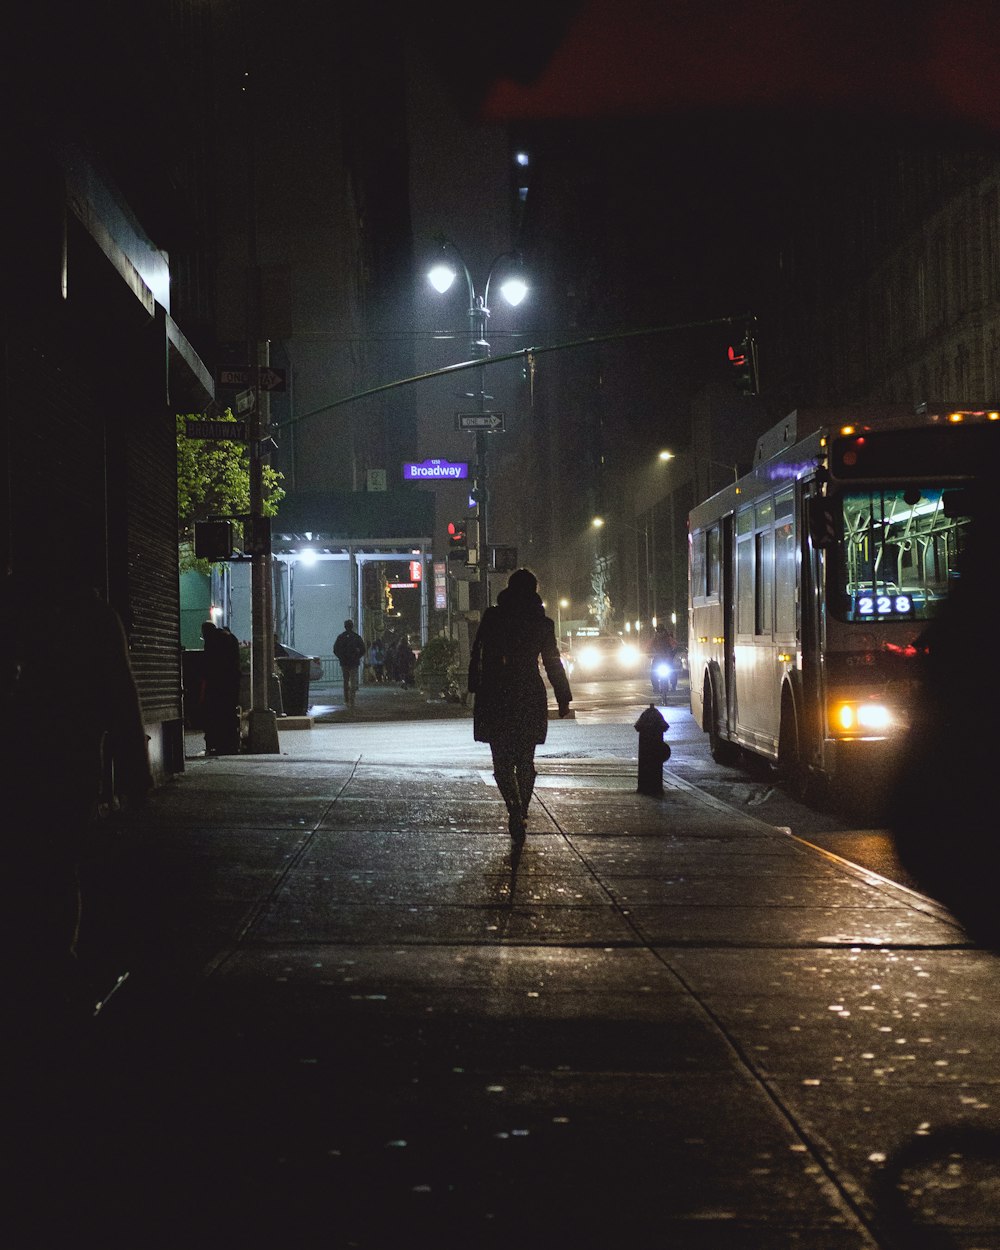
(745, 589)
(698, 572)
(706, 565)
(784, 564)
(764, 580)
(713, 563)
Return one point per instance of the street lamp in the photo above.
(696, 459)
(560, 604)
(441, 277)
(597, 522)
(734, 469)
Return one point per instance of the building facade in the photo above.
(106, 300)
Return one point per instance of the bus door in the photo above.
(729, 621)
(817, 535)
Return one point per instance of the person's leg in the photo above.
(505, 775)
(524, 770)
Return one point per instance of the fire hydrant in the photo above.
(653, 751)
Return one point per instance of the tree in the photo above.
(213, 479)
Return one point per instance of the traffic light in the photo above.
(458, 540)
(743, 360)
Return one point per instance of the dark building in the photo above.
(106, 305)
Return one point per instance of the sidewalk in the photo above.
(355, 1019)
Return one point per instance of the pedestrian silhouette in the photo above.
(221, 690)
(942, 805)
(510, 710)
(349, 648)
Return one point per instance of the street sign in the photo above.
(492, 422)
(213, 540)
(434, 470)
(234, 375)
(271, 379)
(231, 431)
(267, 378)
(245, 401)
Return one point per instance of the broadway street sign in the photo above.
(231, 431)
(434, 471)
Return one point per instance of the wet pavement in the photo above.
(356, 1017)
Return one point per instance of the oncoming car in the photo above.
(605, 656)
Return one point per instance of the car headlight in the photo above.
(629, 657)
(589, 657)
(862, 717)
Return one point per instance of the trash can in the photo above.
(294, 672)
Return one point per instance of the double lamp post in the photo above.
(513, 289)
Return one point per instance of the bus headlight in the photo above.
(862, 717)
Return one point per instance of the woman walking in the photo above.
(511, 710)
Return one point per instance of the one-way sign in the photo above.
(490, 421)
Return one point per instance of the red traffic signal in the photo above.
(744, 360)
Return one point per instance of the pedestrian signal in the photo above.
(504, 559)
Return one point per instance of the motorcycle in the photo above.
(663, 675)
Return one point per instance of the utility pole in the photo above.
(262, 731)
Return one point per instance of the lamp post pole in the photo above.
(696, 459)
(597, 522)
(560, 604)
(479, 313)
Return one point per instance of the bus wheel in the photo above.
(793, 767)
(723, 751)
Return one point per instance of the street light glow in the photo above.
(667, 455)
(441, 277)
(514, 290)
(597, 522)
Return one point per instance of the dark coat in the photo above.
(349, 648)
(511, 703)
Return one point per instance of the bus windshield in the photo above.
(901, 550)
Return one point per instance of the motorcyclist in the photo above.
(663, 648)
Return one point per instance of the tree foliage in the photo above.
(213, 479)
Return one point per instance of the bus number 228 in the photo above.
(884, 605)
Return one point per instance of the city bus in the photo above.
(813, 579)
